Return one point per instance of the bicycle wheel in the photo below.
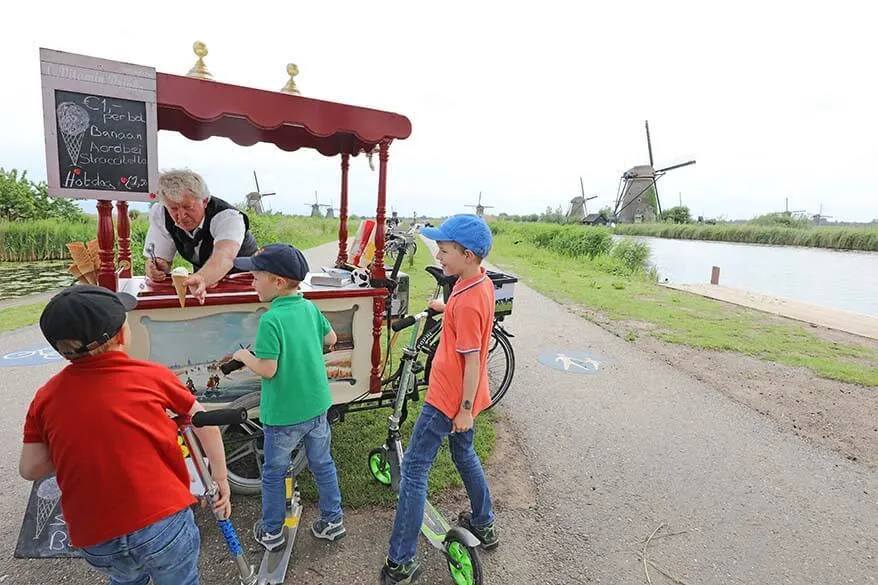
(244, 449)
(501, 366)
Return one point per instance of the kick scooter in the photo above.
(273, 567)
(458, 544)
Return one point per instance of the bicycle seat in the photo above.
(441, 279)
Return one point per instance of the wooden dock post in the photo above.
(714, 275)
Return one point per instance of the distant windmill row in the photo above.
(315, 208)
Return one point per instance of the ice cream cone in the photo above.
(95, 254)
(180, 287)
(82, 259)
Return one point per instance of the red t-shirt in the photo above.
(466, 327)
(112, 443)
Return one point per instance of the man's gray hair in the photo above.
(177, 184)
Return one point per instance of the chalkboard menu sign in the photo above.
(43, 532)
(101, 123)
(101, 142)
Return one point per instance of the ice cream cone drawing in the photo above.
(178, 275)
(48, 495)
(72, 123)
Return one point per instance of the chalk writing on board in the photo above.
(102, 142)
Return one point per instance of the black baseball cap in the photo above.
(87, 313)
(281, 259)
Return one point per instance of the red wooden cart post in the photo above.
(343, 212)
(124, 231)
(378, 265)
(107, 243)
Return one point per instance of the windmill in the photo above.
(579, 205)
(480, 209)
(254, 198)
(819, 217)
(330, 210)
(787, 211)
(638, 188)
(315, 207)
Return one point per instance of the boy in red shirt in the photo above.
(101, 425)
(457, 392)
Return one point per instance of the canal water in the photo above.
(19, 279)
(838, 279)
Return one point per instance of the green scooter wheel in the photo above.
(379, 467)
(464, 563)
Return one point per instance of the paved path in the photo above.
(863, 325)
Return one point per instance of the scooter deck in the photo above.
(273, 568)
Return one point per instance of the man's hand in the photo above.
(158, 271)
(223, 501)
(462, 422)
(197, 286)
(437, 305)
(241, 355)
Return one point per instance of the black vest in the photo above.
(186, 245)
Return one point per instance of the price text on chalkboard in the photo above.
(102, 142)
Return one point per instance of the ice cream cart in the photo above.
(102, 118)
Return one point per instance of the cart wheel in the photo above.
(379, 467)
(464, 563)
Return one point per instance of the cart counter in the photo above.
(195, 340)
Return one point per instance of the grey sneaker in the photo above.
(487, 535)
(271, 541)
(328, 530)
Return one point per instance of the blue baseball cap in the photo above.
(466, 229)
(281, 259)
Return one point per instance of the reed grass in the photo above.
(838, 238)
(30, 241)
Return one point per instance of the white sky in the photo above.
(773, 99)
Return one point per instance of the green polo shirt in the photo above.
(292, 332)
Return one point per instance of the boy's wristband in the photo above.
(466, 405)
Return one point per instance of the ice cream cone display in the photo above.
(178, 275)
(94, 252)
(84, 268)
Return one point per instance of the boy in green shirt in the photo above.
(288, 355)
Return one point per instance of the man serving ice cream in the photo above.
(205, 230)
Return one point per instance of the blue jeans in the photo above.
(433, 426)
(166, 551)
(279, 445)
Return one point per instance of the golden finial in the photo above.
(199, 70)
(290, 87)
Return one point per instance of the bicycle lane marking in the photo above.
(32, 355)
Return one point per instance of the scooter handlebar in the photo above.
(219, 417)
(411, 319)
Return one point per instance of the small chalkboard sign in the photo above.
(100, 125)
(43, 531)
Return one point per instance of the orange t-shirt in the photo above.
(466, 327)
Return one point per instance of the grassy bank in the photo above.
(838, 238)
(20, 316)
(47, 239)
(597, 283)
(363, 431)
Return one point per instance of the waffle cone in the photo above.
(180, 287)
(94, 252)
(81, 257)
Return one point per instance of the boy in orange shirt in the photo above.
(457, 392)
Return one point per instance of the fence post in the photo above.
(714, 275)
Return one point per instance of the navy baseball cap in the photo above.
(87, 313)
(281, 259)
(466, 229)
